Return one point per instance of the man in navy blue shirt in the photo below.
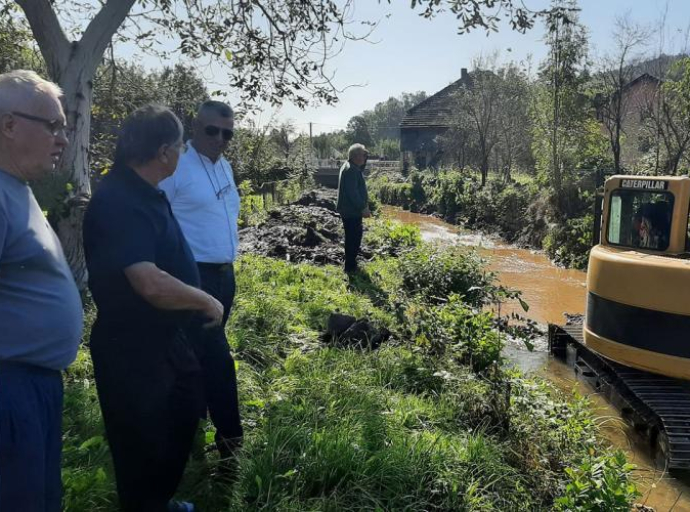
(145, 285)
(40, 307)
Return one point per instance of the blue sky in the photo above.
(413, 54)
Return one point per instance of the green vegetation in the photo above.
(520, 211)
(430, 421)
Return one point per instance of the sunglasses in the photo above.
(213, 131)
(54, 126)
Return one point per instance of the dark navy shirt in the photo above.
(129, 221)
(40, 307)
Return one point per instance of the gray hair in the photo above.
(19, 86)
(356, 148)
(217, 107)
(144, 132)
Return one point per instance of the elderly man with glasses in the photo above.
(40, 307)
(206, 203)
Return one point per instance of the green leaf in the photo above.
(290, 473)
(228, 55)
(523, 305)
(92, 441)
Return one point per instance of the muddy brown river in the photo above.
(550, 292)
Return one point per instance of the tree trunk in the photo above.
(617, 156)
(78, 90)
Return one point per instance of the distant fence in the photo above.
(327, 171)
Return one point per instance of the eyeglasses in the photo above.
(55, 126)
(213, 131)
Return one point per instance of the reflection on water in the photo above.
(551, 291)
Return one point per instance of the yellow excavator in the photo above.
(633, 343)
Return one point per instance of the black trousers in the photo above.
(213, 351)
(151, 395)
(353, 241)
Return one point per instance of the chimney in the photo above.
(463, 74)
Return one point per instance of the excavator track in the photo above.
(657, 407)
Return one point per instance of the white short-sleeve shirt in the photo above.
(205, 202)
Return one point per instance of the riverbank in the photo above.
(522, 212)
(551, 291)
(428, 420)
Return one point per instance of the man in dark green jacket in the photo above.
(353, 202)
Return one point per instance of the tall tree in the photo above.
(672, 116)
(514, 135)
(619, 70)
(481, 104)
(563, 75)
(358, 131)
(490, 117)
(283, 138)
(384, 120)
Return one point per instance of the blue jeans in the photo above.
(30, 438)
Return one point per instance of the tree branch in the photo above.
(100, 31)
(49, 35)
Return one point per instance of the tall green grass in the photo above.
(428, 422)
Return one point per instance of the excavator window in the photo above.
(640, 220)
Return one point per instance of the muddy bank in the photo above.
(308, 230)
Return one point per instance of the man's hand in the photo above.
(213, 311)
(366, 213)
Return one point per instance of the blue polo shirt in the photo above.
(129, 221)
(40, 307)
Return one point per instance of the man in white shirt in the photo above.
(205, 201)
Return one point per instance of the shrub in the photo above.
(599, 484)
(434, 273)
(391, 237)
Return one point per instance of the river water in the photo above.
(550, 292)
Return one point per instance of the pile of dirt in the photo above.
(322, 197)
(308, 230)
(348, 331)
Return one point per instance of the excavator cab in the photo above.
(638, 280)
